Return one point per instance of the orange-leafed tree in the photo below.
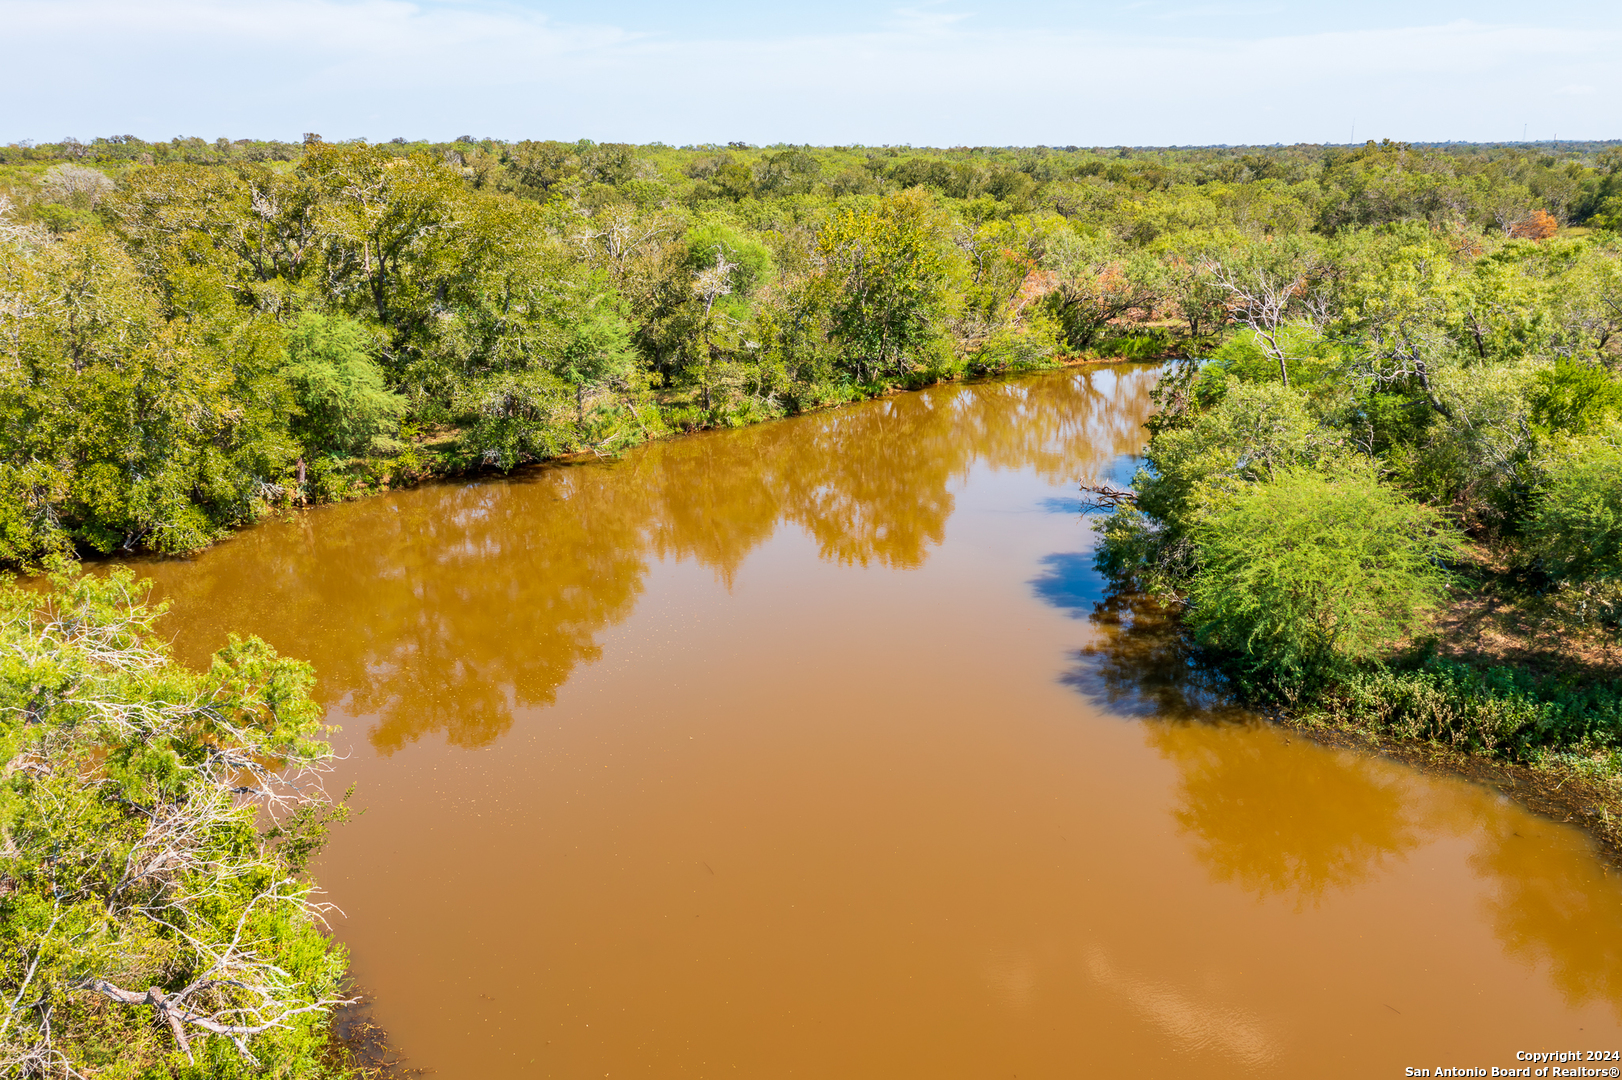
(1538, 225)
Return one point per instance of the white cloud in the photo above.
(384, 67)
(922, 20)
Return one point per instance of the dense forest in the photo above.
(196, 333)
(1383, 488)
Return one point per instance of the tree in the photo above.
(514, 417)
(1225, 437)
(1537, 225)
(1269, 292)
(119, 428)
(389, 229)
(750, 261)
(345, 407)
(884, 281)
(1196, 294)
(1309, 573)
(787, 172)
(149, 922)
(1094, 285)
(253, 227)
(1575, 525)
(598, 356)
(710, 283)
(75, 185)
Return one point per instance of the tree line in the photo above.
(196, 333)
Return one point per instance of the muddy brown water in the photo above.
(815, 749)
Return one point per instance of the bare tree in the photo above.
(714, 282)
(1268, 301)
(14, 232)
(711, 283)
(75, 183)
(1398, 354)
(618, 236)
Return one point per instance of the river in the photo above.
(815, 749)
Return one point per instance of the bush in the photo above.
(1306, 575)
(1017, 348)
(1573, 397)
(1493, 710)
(516, 417)
(752, 263)
(1575, 529)
(1196, 464)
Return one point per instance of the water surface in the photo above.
(816, 749)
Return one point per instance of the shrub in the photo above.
(1305, 575)
(516, 417)
(1573, 397)
(1576, 521)
(1017, 348)
(1196, 464)
(1493, 710)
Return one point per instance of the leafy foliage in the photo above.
(123, 428)
(1493, 710)
(244, 325)
(149, 926)
(1306, 574)
(346, 407)
(1575, 526)
(884, 276)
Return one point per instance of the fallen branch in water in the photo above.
(1105, 497)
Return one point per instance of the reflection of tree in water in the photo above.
(444, 609)
(1271, 818)
(1141, 661)
(1282, 820)
(1555, 910)
(1289, 820)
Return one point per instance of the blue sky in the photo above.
(952, 72)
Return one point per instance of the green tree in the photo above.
(345, 408)
(884, 279)
(1309, 573)
(1198, 463)
(751, 261)
(253, 227)
(124, 429)
(1095, 285)
(598, 357)
(515, 417)
(151, 925)
(1575, 525)
(392, 235)
(1574, 398)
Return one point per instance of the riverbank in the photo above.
(1557, 790)
(1502, 689)
(1574, 784)
(441, 455)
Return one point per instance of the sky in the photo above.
(933, 73)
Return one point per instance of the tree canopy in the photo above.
(198, 332)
